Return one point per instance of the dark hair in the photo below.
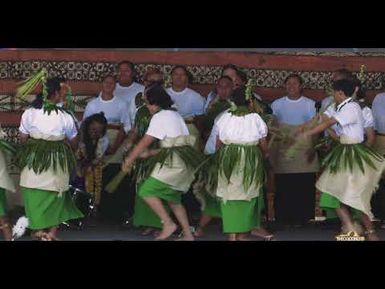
(128, 63)
(344, 72)
(53, 86)
(152, 71)
(225, 77)
(59, 79)
(242, 75)
(153, 82)
(89, 144)
(231, 66)
(293, 75)
(132, 67)
(188, 73)
(156, 95)
(345, 85)
(361, 92)
(239, 96)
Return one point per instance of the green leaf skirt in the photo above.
(40, 155)
(350, 157)
(229, 158)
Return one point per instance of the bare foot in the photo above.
(358, 228)
(7, 233)
(372, 237)
(199, 232)
(156, 232)
(41, 235)
(262, 233)
(147, 231)
(168, 230)
(243, 237)
(52, 236)
(188, 237)
(232, 237)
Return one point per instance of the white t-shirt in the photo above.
(167, 123)
(188, 102)
(211, 143)
(241, 129)
(366, 113)
(128, 94)
(350, 119)
(378, 109)
(115, 111)
(326, 101)
(294, 112)
(330, 112)
(368, 117)
(35, 121)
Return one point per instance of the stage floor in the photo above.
(312, 232)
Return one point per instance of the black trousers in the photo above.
(378, 201)
(294, 198)
(117, 206)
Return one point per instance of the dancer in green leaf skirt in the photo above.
(46, 160)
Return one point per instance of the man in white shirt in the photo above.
(378, 110)
(113, 207)
(115, 110)
(126, 87)
(188, 102)
(190, 105)
(294, 199)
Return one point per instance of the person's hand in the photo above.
(145, 154)
(127, 166)
(97, 161)
(154, 152)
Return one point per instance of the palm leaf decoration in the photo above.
(207, 173)
(142, 120)
(69, 100)
(215, 109)
(39, 155)
(144, 167)
(229, 159)
(5, 145)
(167, 81)
(349, 157)
(31, 83)
(40, 78)
(250, 85)
(190, 156)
